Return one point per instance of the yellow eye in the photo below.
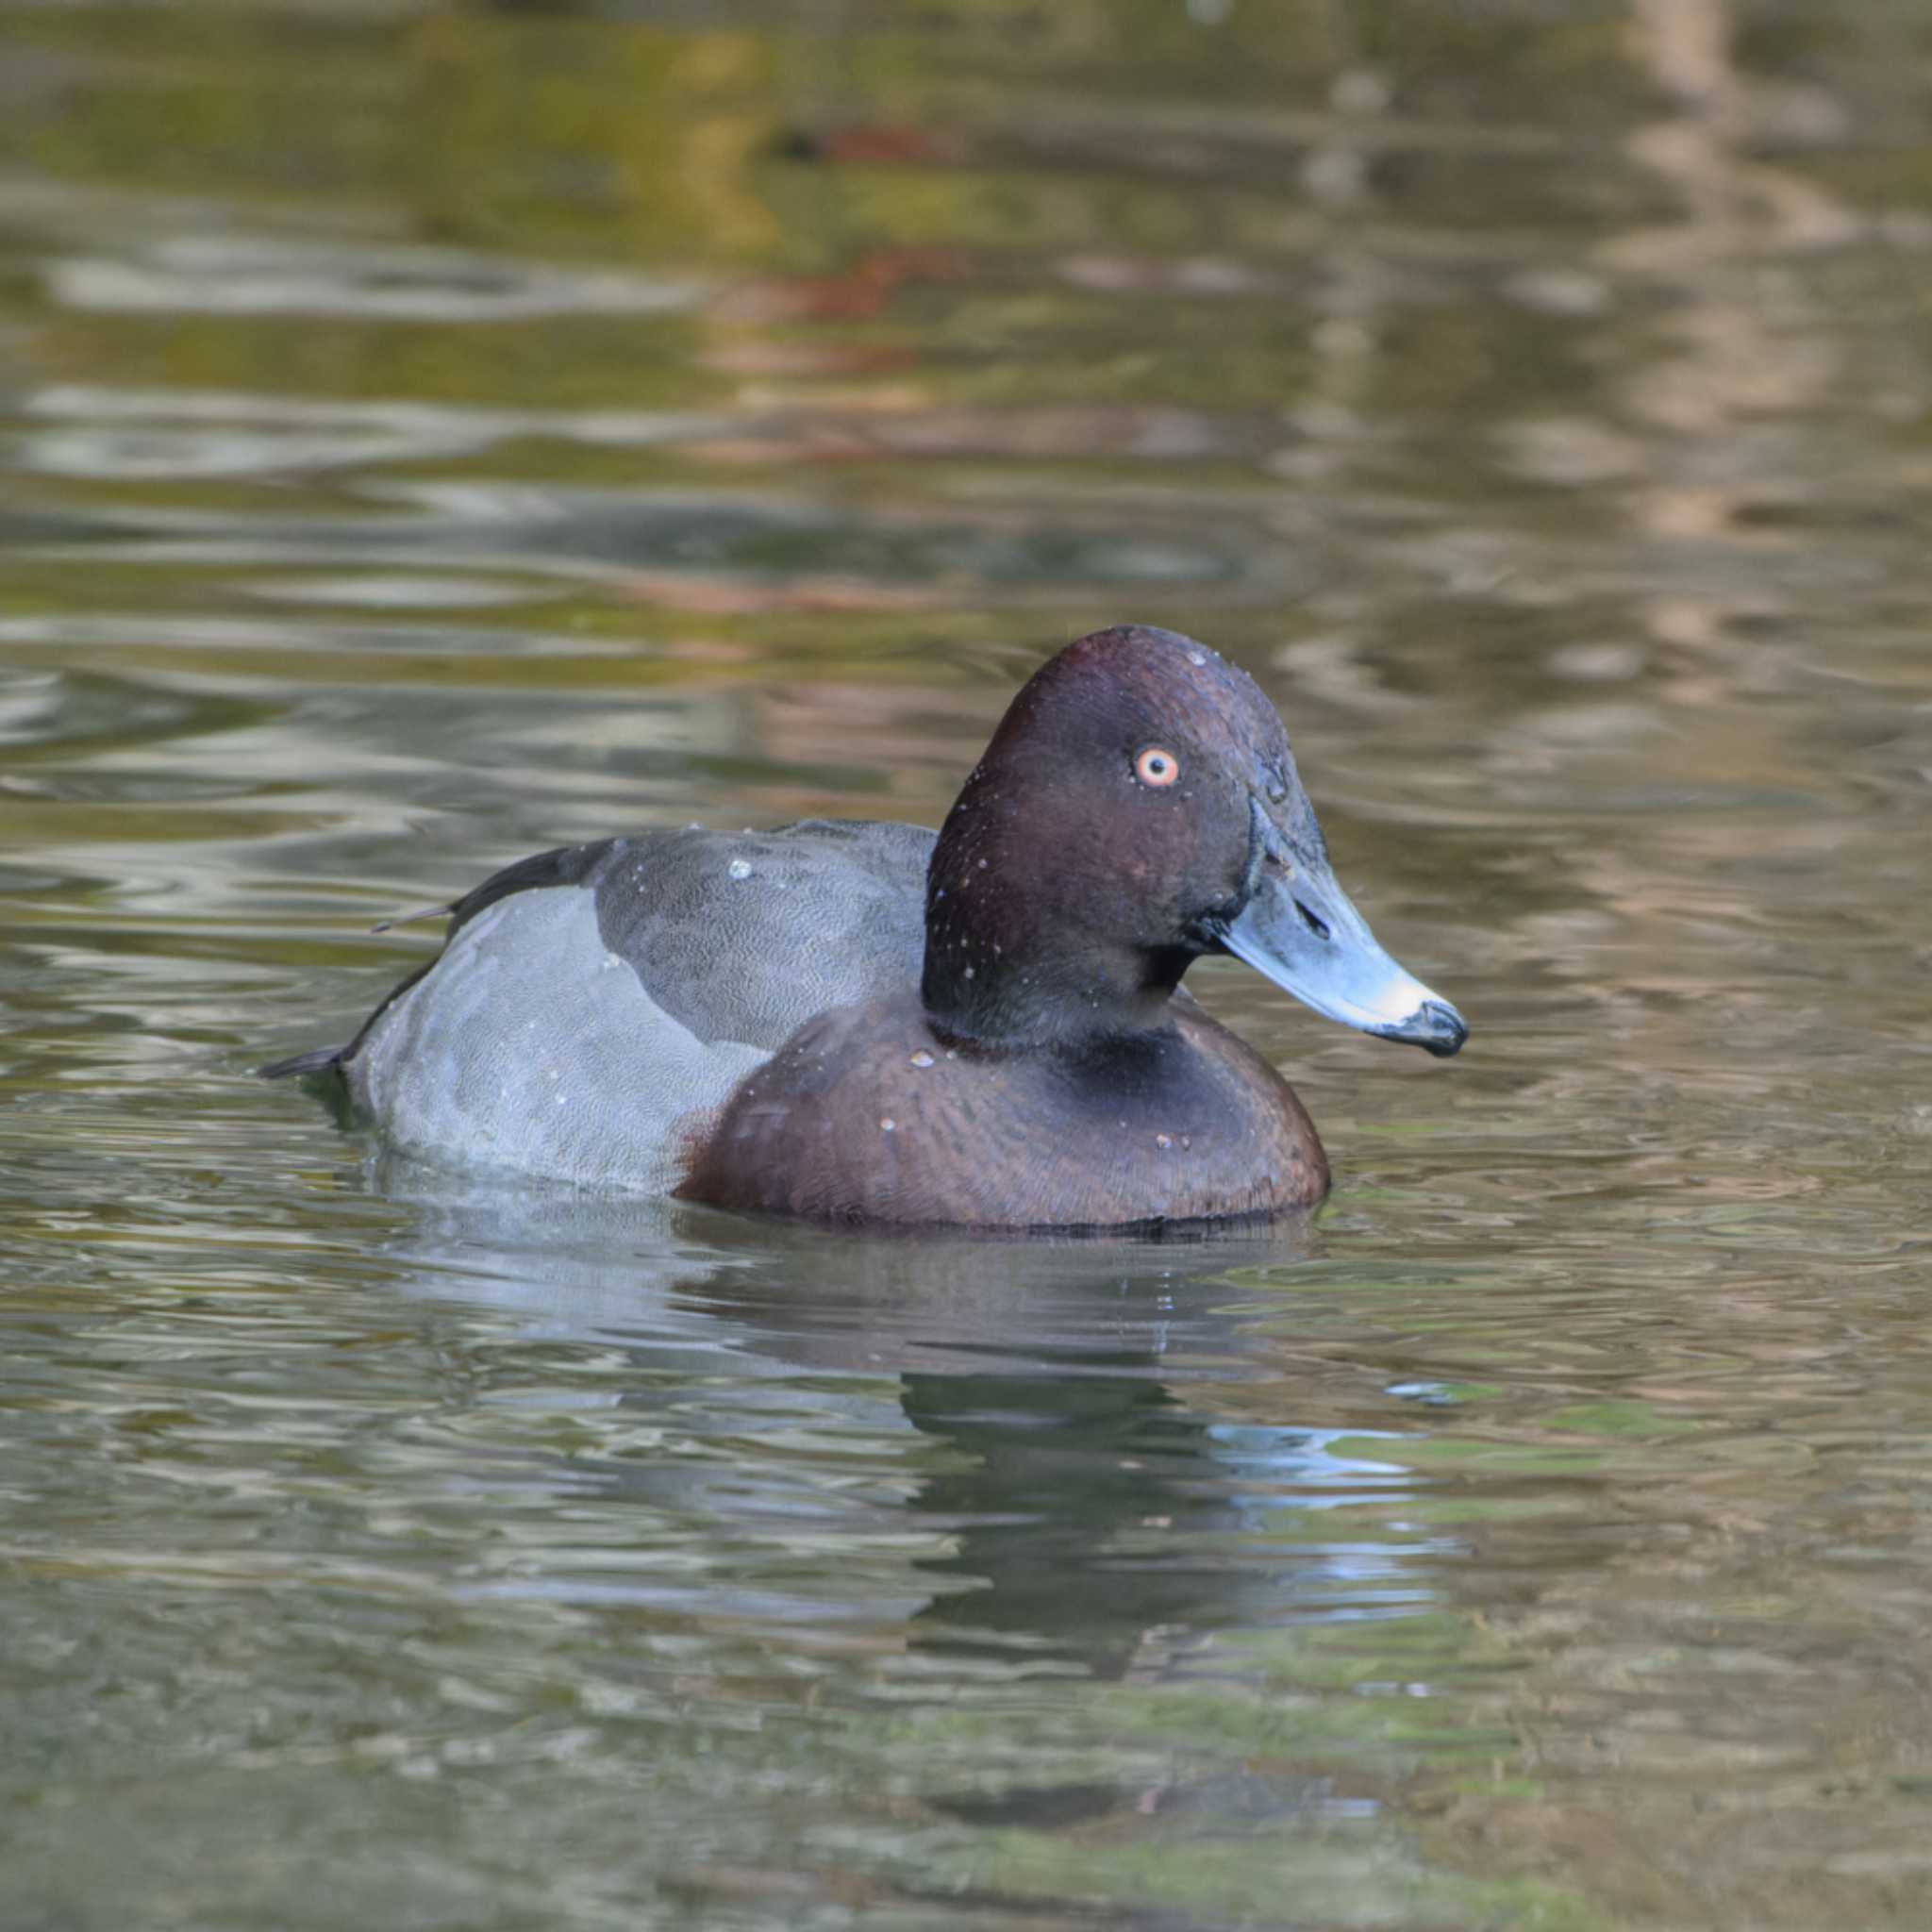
(1157, 766)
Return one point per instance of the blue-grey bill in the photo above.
(1299, 930)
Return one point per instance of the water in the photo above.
(432, 436)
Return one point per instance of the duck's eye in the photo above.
(1157, 766)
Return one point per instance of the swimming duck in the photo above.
(861, 1022)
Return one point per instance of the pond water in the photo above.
(429, 435)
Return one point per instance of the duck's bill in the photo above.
(1299, 930)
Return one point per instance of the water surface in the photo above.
(433, 435)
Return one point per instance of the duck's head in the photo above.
(1139, 806)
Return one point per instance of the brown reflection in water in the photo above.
(1750, 348)
(1731, 412)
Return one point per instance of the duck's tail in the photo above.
(318, 1060)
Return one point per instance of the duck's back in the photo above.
(593, 1007)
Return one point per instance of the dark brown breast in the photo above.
(867, 1115)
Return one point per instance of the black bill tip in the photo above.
(1438, 1028)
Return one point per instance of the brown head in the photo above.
(1137, 808)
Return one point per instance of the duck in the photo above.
(870, 1024)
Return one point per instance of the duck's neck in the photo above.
(1014, 955)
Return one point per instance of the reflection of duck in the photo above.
(1033, 1455)
(767, 1023)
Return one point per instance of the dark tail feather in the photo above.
(318, 1060)
(440, 909)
